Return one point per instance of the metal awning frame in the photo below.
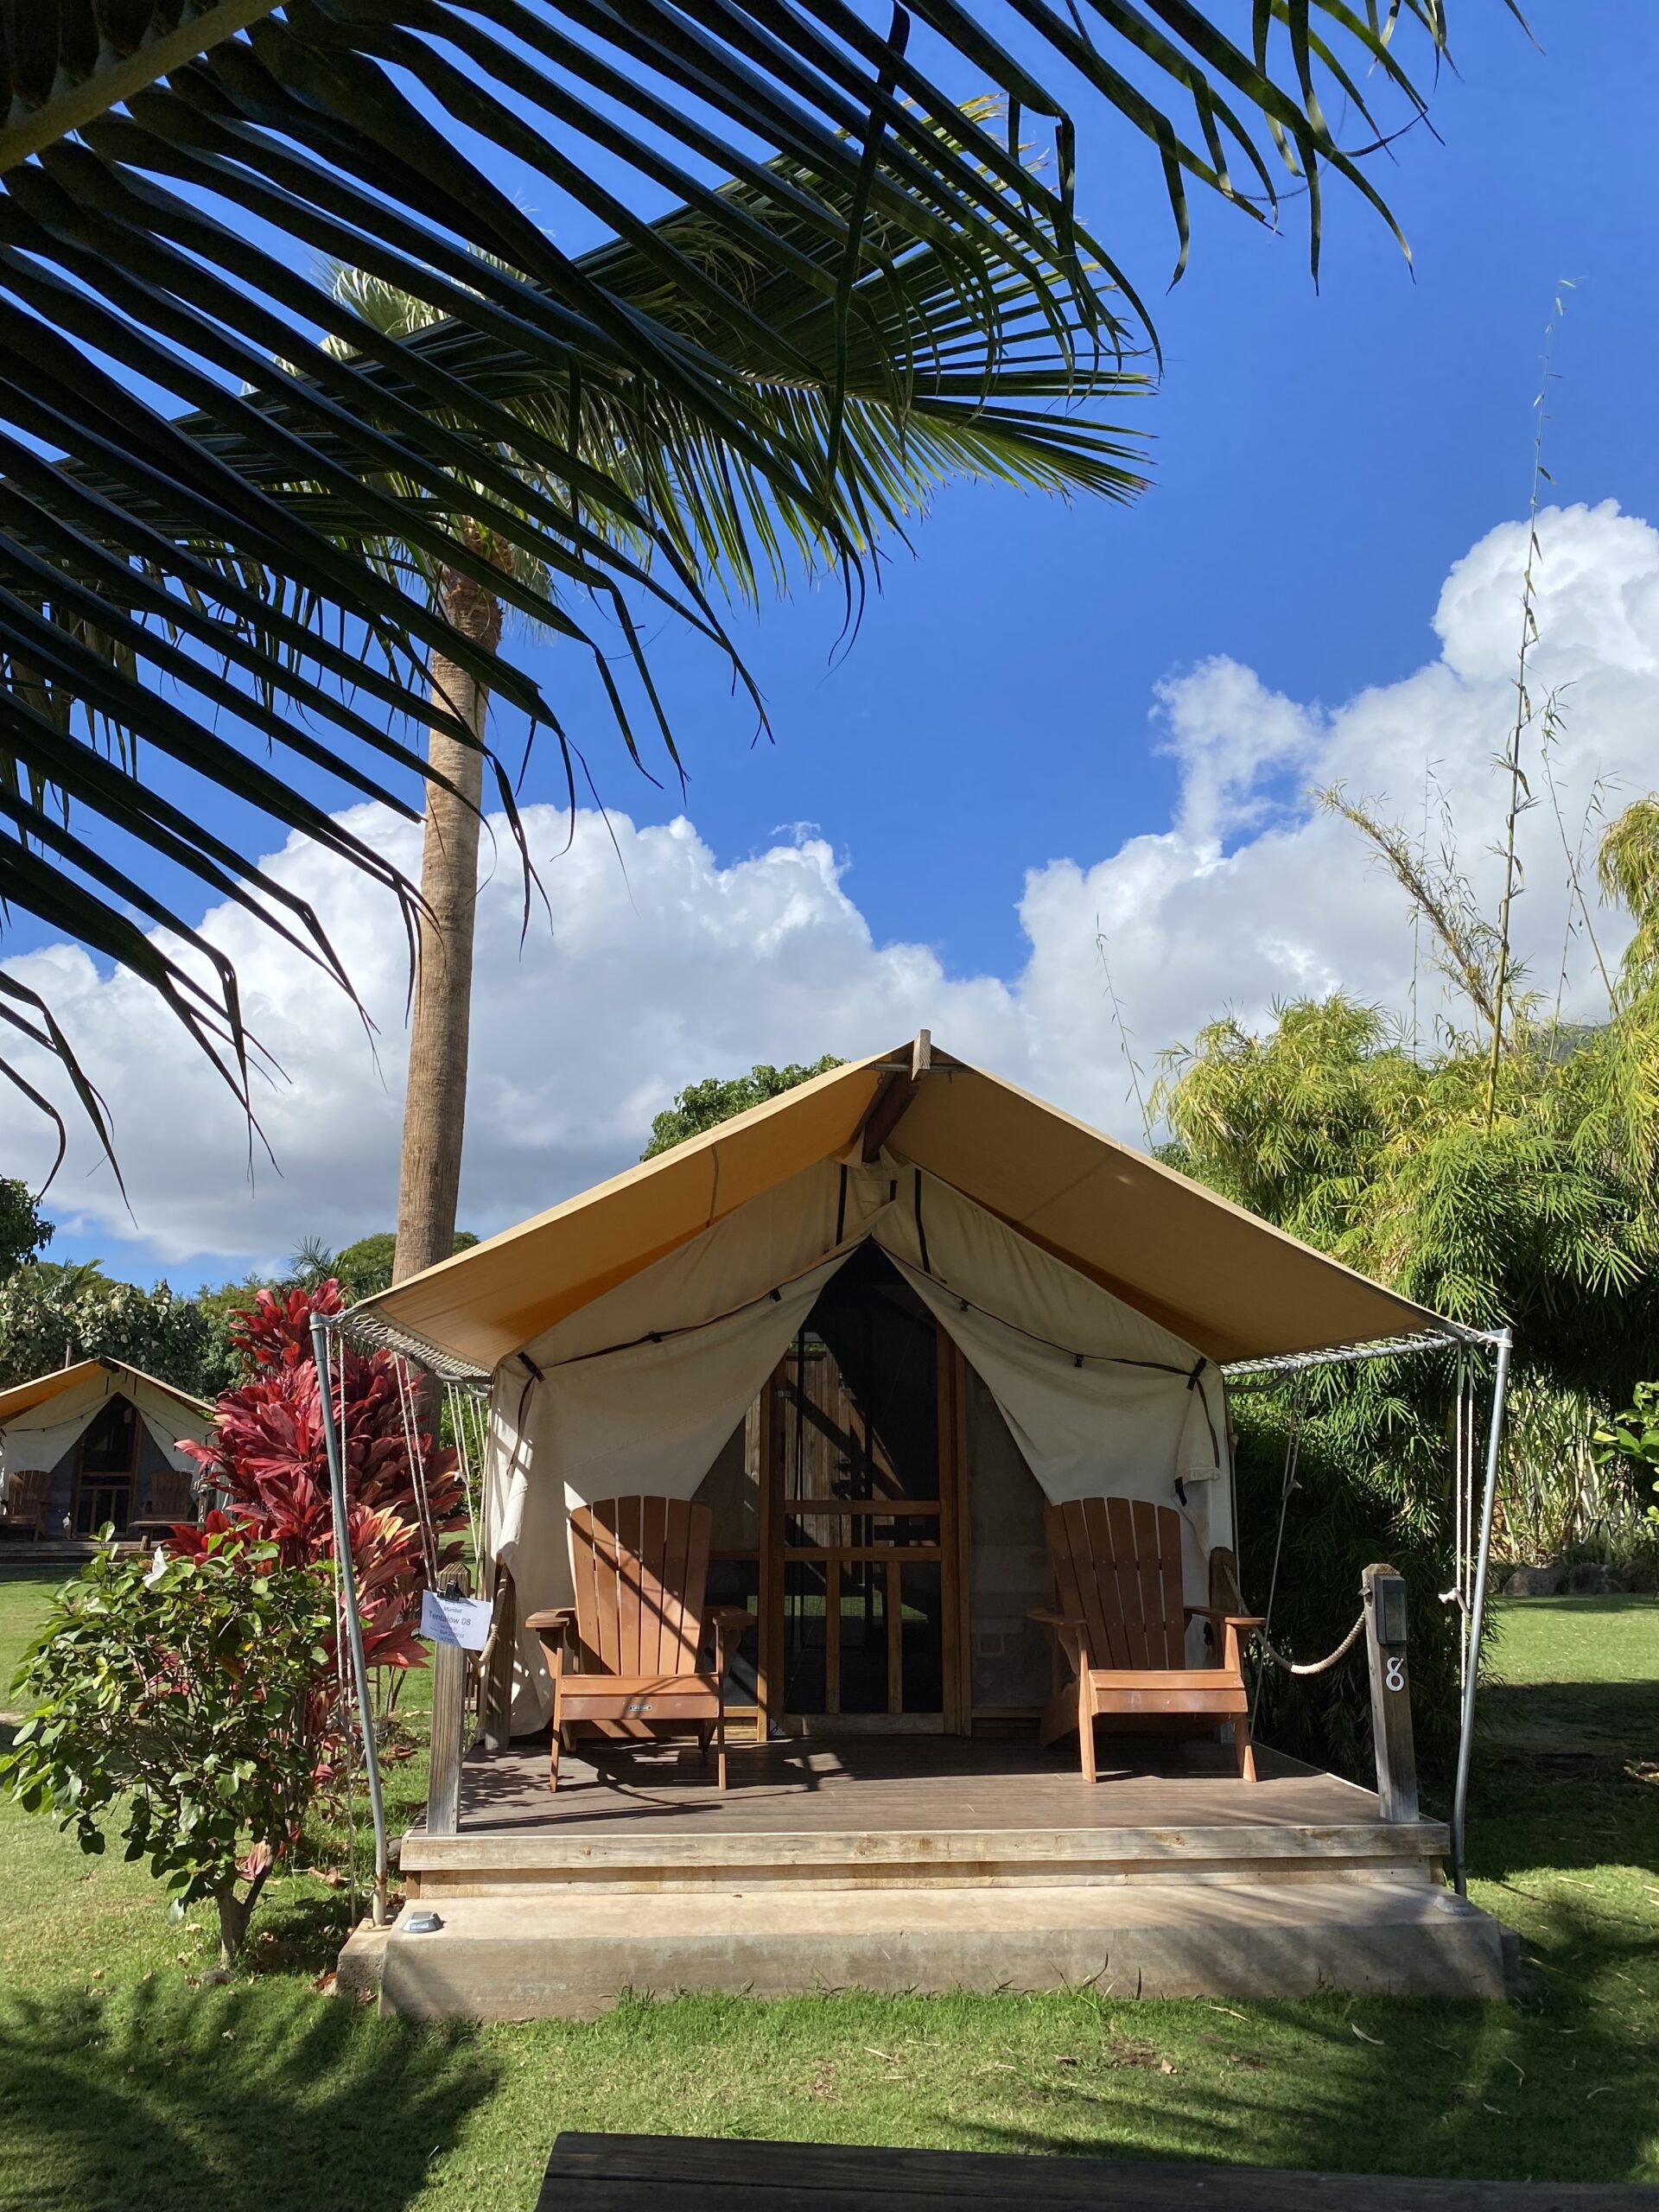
(1450, 1336)
(379, 1335)
(371, 1334)
(1453, 1336)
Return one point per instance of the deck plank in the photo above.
(876, 1785)
(657, 2173)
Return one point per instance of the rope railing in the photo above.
(1313, 1666)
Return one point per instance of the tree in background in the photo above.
(52, 1316)
(704, 1105)
(1532, 1200)
(361, 1268)
(24, 1234)
(1330, 1127)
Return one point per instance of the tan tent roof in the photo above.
(23, 1397)
(1220, 1278)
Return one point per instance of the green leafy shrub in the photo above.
(1372, 1483)
(170, 1707)
(1630, 1441)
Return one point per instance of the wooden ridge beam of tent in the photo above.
(892, 1101)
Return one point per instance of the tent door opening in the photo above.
(106, 1462)
(862, 1624)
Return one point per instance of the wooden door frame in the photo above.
(955, 1535)
(952, 1554)
(109, 1473)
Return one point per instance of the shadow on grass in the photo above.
(260, 2098)
(1625, 1601)
(1568, 1716)
(1556, 2091)
(301, 1929)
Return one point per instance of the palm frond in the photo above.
(225, 499)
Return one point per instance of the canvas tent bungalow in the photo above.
(881, 1327)
(93, 1444)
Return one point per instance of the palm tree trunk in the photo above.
(434, 1104)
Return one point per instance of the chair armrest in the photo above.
(1227, 1620)
(1055, 1620)
(726, 1624)
(555, 1623)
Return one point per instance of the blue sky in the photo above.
(1321, 460)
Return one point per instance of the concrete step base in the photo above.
(536, 1957)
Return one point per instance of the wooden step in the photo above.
(659, 1856)
(572, 1954)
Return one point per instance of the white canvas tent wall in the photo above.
(1094, 1291)
(42, 1420)
(639, 1391)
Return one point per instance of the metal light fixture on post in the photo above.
(347, 1578)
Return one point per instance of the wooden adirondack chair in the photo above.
(172, 1501)
(29, 1495)
(636, 1637)
(1120, 1622)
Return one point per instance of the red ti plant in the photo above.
(267, 1459)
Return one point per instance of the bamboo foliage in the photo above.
(202, 450)
(1546, 1220)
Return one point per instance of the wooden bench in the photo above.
(675, 2173)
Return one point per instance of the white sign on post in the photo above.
(465, 1621)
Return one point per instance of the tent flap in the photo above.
(1099, 1400)
(645, 1420)
(639, 1391)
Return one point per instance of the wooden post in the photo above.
(1385, 1646)
(498, 1686)
(449, 1672)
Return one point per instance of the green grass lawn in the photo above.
(127, 2078)
(24, 1592)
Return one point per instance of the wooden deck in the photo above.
(661, 2173)
(918, 1863)
(912, 1810)
(873, 1783)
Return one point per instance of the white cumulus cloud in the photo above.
(671, 965)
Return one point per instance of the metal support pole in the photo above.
(353, 1616)
(1477, 1616)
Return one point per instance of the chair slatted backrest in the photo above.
(171, 1495)
(29, 1490)
(640, 1565)
(1117, 1568)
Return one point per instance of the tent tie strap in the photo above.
(1313, 1666)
